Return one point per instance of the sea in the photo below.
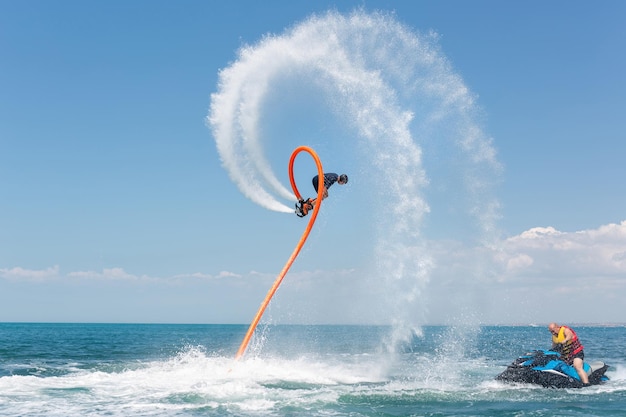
(291, 370)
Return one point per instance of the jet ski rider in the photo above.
(566, 342)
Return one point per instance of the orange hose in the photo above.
(294, 255)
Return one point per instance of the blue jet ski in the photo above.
(545, 368)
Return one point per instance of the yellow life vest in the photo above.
(560, 337)
(571, 348)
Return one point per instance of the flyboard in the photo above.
(296, 251)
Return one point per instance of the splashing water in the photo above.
(398, 96)
(188, 370)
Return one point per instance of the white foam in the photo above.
(189, 380)
(194, 381)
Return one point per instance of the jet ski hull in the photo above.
(545, 368)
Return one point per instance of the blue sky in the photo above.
(115, 206)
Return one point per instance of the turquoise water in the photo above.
(189, 370)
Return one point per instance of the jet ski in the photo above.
(545, 368)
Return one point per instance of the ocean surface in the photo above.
(189, 370)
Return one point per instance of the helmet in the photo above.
(343, 178)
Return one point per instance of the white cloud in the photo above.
(23, 274)
(206, 277)
(525, 278)
(552, 254)
(518, 262)
(108, 274)
(540, 275)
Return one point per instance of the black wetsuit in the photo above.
(329, 179)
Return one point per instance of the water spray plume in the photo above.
(412, 129)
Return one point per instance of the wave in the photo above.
(195, 381)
